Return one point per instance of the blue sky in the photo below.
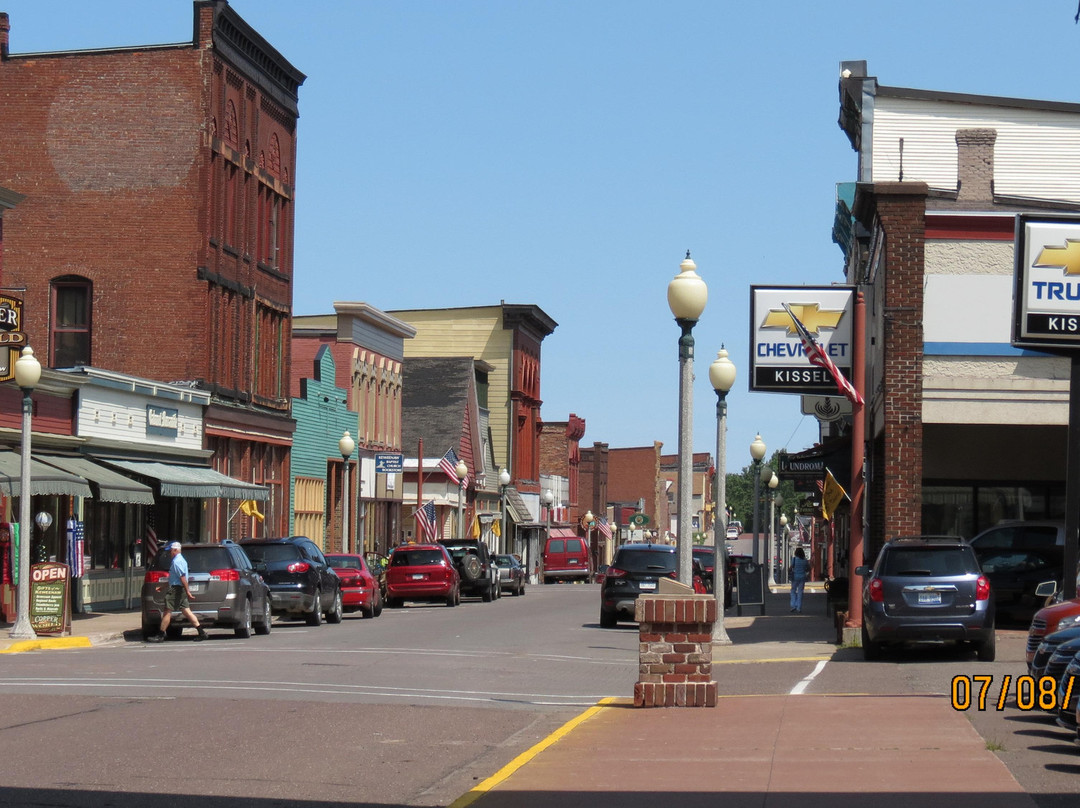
(567, 154)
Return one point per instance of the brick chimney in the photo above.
(5, 33)
(975, 164)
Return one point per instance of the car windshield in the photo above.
(504, 560)
(645, 561)
(929, 561)
(344, 562)
(272, 552)
(199, 559)
(415, 558)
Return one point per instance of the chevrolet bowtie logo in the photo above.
(809, 315)
(1067, 257)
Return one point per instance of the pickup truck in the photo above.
(476, 566)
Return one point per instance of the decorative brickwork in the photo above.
(675, 651)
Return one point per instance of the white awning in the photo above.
(195, 482)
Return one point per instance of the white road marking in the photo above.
(801, 686)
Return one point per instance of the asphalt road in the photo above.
(412, 708)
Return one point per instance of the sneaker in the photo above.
(159, 637)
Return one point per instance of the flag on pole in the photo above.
(476, 526)
(603, 526)
(832, 494)
(425, 518)
(449, 465)
(817, 356)
(76, 543)
(251, 508)
(150, 543)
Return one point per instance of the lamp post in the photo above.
(687, 295)
(461, 470)
(504, 480)
(534, 569)
(757, 452)
(722, 377)
(784, 544)
(345, 446)
(590, 520)
(774, 481)
(27, 375)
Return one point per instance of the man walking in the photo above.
(800, 570)
(178, 598)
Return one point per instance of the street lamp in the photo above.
(27, 375)
(687, 295)
(504, 480)
(549, 499)
(757, 452)
(590, 520)
(461, 470)
(345, 446)
(774, 481)
(722, 377)
(784, 543)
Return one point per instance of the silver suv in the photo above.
(927, 589)
(227, 591)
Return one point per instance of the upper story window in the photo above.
(70, 323)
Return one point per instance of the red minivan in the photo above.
(566, 558)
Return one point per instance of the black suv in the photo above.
(634, 570)
(476, 566)
(227, 591)
(927, 589)
(301, 580)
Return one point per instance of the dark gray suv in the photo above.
(927, 589)
(302, 582)
(635, 569)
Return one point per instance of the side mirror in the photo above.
(862, 570)
(1047, 589)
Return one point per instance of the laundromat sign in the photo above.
(12, 338)
(1046, 297)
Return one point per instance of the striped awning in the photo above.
(108, 485)
(45, 480)
(194, 482)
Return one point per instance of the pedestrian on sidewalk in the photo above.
(179, 596)
(800, 569)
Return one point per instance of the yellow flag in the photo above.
(496, 528)
(251, 508)
(476, 526)
(831, 496)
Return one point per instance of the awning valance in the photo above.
(108, 485)
(194, 482)
(44, 479)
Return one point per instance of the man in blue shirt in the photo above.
(179, 596)
(800, 570)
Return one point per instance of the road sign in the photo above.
(388, 462)
(639, 519)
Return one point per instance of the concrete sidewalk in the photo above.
(92, 628)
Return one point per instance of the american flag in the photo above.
(603, 526)
(449, 465)
(425, 518)
(819, 357)
(76, 537)
(150, 543)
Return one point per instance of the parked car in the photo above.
(1049, 644)
(360, 590)
(1056, 669)
(228, 592)
(475, 566)
(634, 569)
(377, 564)
(1017, 556)
(301, 581)
(927, 588)
(707, 556)
(511, 573)
(1068, 693)
(1050, 619)
(424, 572)
(566, 558)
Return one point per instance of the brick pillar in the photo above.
(675, 651)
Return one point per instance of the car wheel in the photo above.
(870, 650)
(314, 617)
(368, 611)
(335, 613)
(521, 587)
(150, 629)
(986, 651)
(487, 595)
(376, 610)
(451, 598)
(608, 619)
(457, 596)
(243, 626)
(263, 627)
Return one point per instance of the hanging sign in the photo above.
(12, 338)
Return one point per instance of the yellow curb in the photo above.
(46, 642)
(479, 790)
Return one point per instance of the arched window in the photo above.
(70, 322)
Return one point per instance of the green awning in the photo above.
(108, 485)
(195, 482)
(44, 479)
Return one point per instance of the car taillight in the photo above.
(982, 588)
(224, 575)
(298, 566)
(877, 591)
(154, 577)
(614, 572)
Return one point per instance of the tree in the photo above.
(740, 493)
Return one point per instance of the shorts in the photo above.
(176, 599)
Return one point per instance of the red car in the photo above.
(359, 588)
(422, 572)
(1050, 619)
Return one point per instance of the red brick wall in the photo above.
(634, 473)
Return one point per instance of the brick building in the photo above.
(560, 460)
(155, 237)
(634, 484)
